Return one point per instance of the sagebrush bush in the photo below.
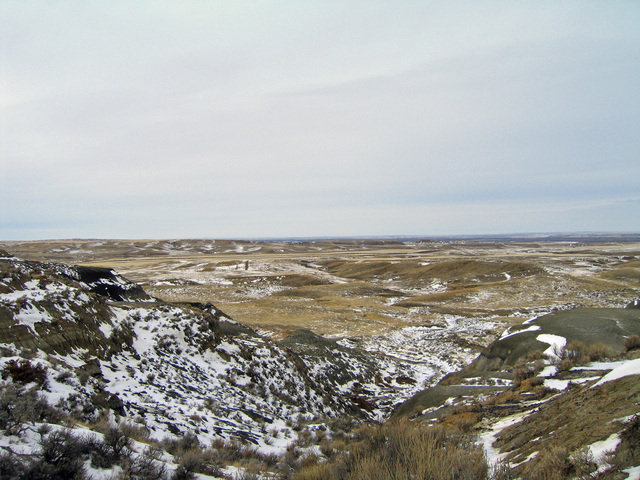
(524, 371)
(558, 464)
(628, 452)
(576, 353)
(144, 467)
(25, 372)
(553, 464)
(19, 407)
(401, 451)
(632, 342)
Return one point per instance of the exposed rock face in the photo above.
(107, 283)
(43, 307)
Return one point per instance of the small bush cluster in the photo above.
(20, 407)
(578, 353)
(62, 456)
(402, 450)
(558, 464)
(25, 372)
(522, 372)
(632, 342)
(628, 452)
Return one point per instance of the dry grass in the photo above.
(402, 451)
(579, 353)
(632, 343)
(551, 428)
(373, 271)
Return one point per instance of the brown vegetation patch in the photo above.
(551, 427)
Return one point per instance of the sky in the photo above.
(258, 119)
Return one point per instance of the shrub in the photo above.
(60, 458)
(578, 353)
(321, 471)
(18, 407)
(403, 450)
(25, 372)
(632, 342)
(628, 451)
(118, 442)
(188, 441)
(144, 467)
(520, 373)
(503, 471)
(583, 463)
(10, 467)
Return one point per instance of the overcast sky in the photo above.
(175, 119)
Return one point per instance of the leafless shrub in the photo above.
(10, 466)
(64, 377)
(583, 463)
(522, 372)
(503, 471)
(190, 462)
(553, 464)
(25, 372)
(118, 442)
(136, 432)
(403, 450)
(19, 407)
(144, 467)
(183, 444)
(628, 451)
(632, 342)
(61, 457)
(577, 353)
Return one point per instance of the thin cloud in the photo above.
(215, 119)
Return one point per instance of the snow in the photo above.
(548, 371)
(633, 473)
(564, 384)
(29, 315)
(106, 329)
(556, 343)
(599, 449)
(507, 333)
(599, 366)
(628, 368)
(487, 438)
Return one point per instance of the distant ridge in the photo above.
(584, 237)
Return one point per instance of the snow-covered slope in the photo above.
(170, 367)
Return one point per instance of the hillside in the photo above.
(556, 397)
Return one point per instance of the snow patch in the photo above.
(631, 367)
(486, 439)
(599, 449)
(556, 343)
(506, 333)
(633, 473)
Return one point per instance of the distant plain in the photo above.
(363, 288)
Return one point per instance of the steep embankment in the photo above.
(102, 343)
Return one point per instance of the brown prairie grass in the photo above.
(401, 451)
(632, 343)
(579, 353)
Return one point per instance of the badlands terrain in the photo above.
(433, 304)
(277, 350)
